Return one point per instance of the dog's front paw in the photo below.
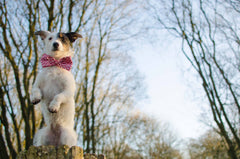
(52, 110)
(36, 101)
(53, 107)
(35, 96)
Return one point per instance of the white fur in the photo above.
(55, 87)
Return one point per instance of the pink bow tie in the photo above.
(48, 61)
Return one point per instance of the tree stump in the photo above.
(52, 152)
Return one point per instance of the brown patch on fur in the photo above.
(53, 136)
(72, 36)
(65, 41)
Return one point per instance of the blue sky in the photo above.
(170, 98)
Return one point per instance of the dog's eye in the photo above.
(50, 38)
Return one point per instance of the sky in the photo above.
(170, 97)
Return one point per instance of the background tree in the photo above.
(210, 42)
(139, 136)
(209, 145)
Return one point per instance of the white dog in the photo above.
(54, 88)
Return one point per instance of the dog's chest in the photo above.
(53, 81)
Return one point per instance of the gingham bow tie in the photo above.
(48, 61)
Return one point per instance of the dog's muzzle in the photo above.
(55, 46)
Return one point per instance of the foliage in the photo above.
(210, 145)
(140, 136)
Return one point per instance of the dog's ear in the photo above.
(72, 36)
(43, 34)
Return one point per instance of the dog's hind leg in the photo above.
(40, 137)
(68, 137)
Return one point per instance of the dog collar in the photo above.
(49, 61)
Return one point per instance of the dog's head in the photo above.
(58, 45)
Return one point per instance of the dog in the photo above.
(54, 88)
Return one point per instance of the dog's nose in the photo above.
(55, 45)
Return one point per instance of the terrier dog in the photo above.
(55, 88)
